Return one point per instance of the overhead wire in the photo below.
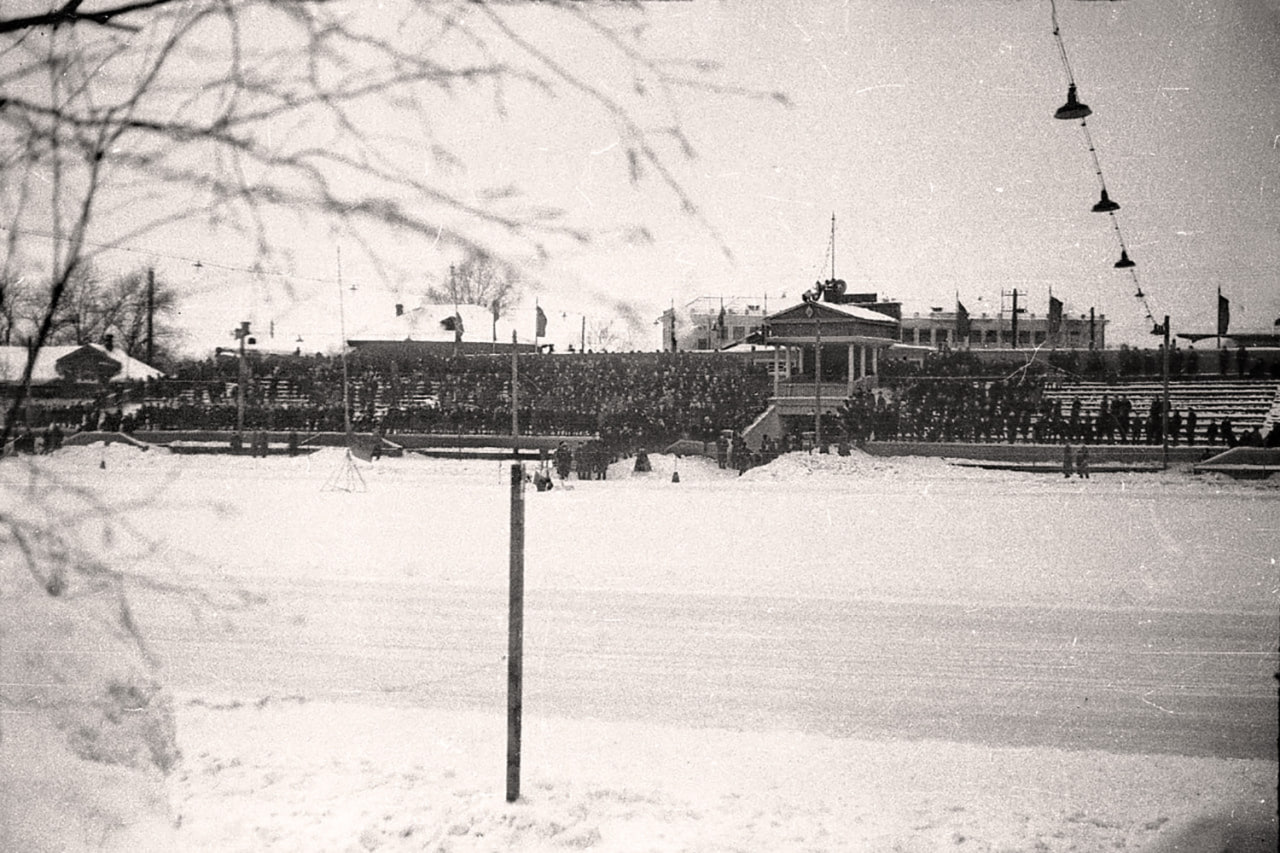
(198, 263)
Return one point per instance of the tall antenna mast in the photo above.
(833, 246)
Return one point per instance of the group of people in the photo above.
(945, 409)
(1077, 459)
(625, 399)
(954, 409)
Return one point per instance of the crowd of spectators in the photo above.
(951, 409)
(627, 400)
(945, 409)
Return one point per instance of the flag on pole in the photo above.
(540, 329)
(963, 326)
(1224, 313)
(1055, 315)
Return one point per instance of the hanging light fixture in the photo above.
(1139, 294)
(1124, 263)
(1072, 109)
(1105, 204)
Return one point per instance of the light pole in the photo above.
(817, 375)
(242, 334)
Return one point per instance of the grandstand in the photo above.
(1248, 403)
(631, 400)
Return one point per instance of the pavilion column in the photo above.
(776, 374)
(875, 361)
(864, 361)
(850, 374)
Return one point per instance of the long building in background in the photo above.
(944, 329)
(714, 322)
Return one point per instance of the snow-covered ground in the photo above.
(238, 659)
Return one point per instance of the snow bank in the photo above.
(798, 466)
(692, 469)
(87, 732)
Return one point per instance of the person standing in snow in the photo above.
(1068, 459)
(563, 459)
(1082, 462)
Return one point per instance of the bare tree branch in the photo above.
(69, 14)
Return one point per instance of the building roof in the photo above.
(13, 361)
(846, 309)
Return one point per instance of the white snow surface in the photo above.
(97, 754)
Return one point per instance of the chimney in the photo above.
(399, 309)
(109, 341)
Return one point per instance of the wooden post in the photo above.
(1164, 399)
(515, 634)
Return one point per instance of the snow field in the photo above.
(88, 731)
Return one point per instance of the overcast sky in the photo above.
(925, 126)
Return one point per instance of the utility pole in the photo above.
(342, 346)
(1014, 322)
(515, 397)
(151, 314)
(1013, 325)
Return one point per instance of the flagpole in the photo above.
(536, 336)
